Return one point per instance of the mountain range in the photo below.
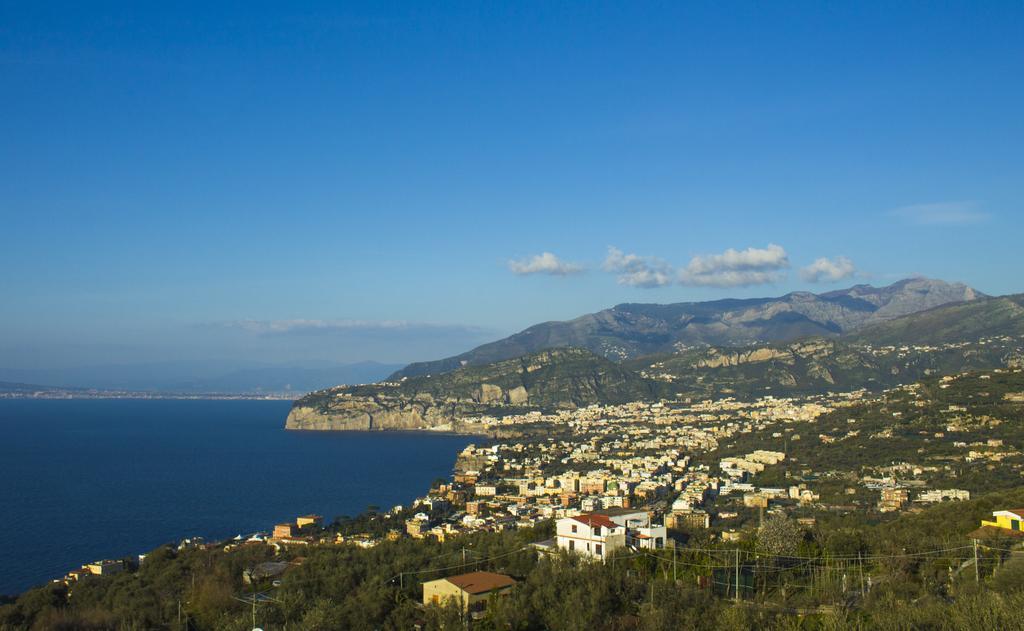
(627, 331)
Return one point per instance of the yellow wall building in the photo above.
(1007, 519)
(309, 520)
(470, 591)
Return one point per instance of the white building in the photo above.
(650, 538)
(600, 533)
(591, 535)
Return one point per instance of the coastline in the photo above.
(419, 431)
(341, 475)
(142, 396)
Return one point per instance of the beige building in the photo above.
(693, 518)
(470, 591)
(755, 500)
(284, 531)
(418, 526)
(893, 499)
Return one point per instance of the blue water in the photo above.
(88, 479)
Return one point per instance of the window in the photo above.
(597, 531)
(1014, 524)
(574, 527)
(572, 545)
(598, 549)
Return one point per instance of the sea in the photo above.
(85, 479)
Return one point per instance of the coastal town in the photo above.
(707, 466)
(649, 476)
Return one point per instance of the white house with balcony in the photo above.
(598, 534)
(591, 535)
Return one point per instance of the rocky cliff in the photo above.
(559, 378)
(380, 412)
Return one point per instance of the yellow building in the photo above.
(470, 591)
(1008, 519)
(105, 567)
(309, 520)
(1005, 523)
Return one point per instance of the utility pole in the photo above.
(860, 563)
(737, 595)
(674, 563)
(977, 574)
(254, 604)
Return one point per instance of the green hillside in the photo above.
(817, 366)
(965, 321)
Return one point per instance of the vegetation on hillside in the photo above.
(966, 321)
(916, 571)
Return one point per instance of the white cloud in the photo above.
(637, 271)
(735, 268)
(946, 213)
(544, 263)
(828, 270)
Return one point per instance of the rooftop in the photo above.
(595, 519)
(481, 582)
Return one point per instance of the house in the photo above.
(590, 534)
(469, 591)
(77, 575)
(627, 517)
(284, 531)
(105, 567)
(418, 526)
(1004, 523)
(309, 520)
(264, 571)
(598, 534)
(692, 518)
(485, 490)
(893, 499)
(755, 500)
(649, 538)
(731, 535)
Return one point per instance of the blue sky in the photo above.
(346, 181)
